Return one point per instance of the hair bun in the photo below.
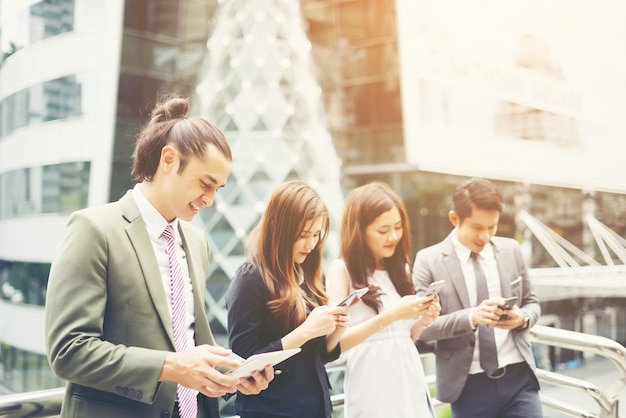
(172, 107)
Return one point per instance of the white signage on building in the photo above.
(520, 90)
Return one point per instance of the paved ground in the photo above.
(598, 371)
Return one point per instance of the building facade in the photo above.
(68, 130)
(422, 95)
(78, 78)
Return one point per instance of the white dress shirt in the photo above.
(507, 351)
(156, 224)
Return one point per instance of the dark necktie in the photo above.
(487, 350)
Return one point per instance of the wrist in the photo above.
(169, 367)
(383, 320)
(473, 321)
(380, 323)
(525, 320)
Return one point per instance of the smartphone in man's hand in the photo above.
(508, 304)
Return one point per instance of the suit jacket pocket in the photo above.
(516, 288)
(103, 398)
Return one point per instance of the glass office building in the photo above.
(78, 77)
(423, 95)
(77, 80)
(426, 94)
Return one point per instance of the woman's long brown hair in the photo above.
(363, 205)
(290, 207)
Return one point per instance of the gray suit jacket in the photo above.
(452, 331)
(107, 323)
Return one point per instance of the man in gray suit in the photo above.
(485, 364)
(108, 317)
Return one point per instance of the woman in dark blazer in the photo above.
(277, 301)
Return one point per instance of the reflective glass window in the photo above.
(52, 100)
(136, 94)
(24, 283)
(40, 21)
(58, 188)
(148, 54)
(375, 103)
(50, 18)
(370, 61)
(196, 15)
(24, 371)
(18, 193)
(156, 16)
(366, 19)
(65, 187)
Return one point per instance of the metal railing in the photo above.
(47, 403)
(37, 404)
(607, 399)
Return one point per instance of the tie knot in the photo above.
(168, 233)
(474, 256)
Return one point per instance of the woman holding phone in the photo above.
(384, 374)
(276, 301)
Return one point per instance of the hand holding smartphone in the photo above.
(435, 287)
(352, 296)
(508, 304)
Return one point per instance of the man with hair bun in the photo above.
(124, 319)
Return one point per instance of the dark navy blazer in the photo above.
(302, 388)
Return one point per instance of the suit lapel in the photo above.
(453, 268)
(198, 278)
(505, 269)
(138, 235)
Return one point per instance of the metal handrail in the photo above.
(606, 399)
(36, 404)
(47, 403)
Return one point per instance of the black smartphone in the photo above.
(507, 306)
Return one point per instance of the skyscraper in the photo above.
(259, 87)
(78, 78)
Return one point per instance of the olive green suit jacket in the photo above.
(108, 327)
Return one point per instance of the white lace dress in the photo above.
(384, 375)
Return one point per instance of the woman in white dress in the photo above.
(384, 375)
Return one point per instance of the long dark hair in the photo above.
(291, 205)
(363, 205)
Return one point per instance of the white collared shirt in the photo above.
(507, 351)
(156, 224)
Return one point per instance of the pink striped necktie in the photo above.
(187, 398)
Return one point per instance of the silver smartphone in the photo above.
(435, 287)
(353, 295)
